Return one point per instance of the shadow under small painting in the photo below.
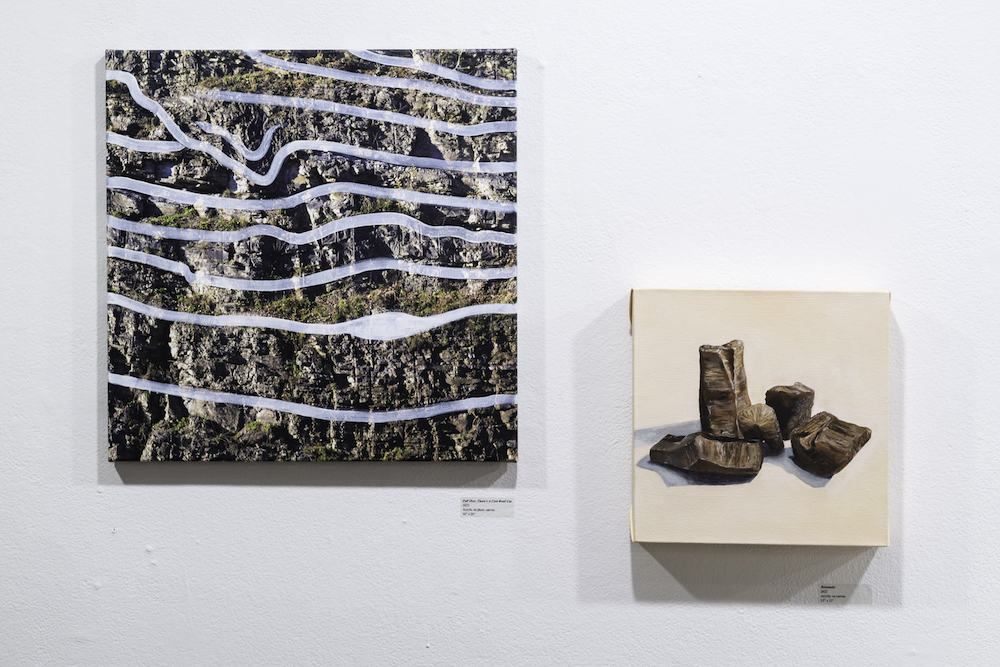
(760, 417)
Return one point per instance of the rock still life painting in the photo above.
(760, 417)
(312, 255)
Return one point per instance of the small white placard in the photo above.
(487, 507)
(844, 593)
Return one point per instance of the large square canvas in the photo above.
(312, 255)
(760, 417)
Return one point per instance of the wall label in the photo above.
(487, 507)
(844, 593)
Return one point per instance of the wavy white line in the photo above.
(291, 201)
(183, 140)
(312, 104)
(328, 147)
(380, 326)
(313, 279)
(313, 235)
(384, 81)
(144, 145)
(234, 141)
(436, 70)
(357, 416)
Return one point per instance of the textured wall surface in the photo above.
(685, 144)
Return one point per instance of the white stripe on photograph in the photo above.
(313, 235)
(313, 104)
(356, 416)
(467, 166)
(291, 201)
(235, 142)
(384, 81)
(323, 146)
(266, 179)
(436, 70)
(142, 145)
(313, 279)
(310, 104)
(380, 326)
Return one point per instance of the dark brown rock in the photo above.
(758, 422)
(704, 453)
(792, 405)
(723, 389)
(825, 445)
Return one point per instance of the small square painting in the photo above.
(760, 417)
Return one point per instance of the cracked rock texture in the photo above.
(472, 357)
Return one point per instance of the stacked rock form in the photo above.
(736, 435)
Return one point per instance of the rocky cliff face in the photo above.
(469, 358)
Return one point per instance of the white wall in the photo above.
(674, 144)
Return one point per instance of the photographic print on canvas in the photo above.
(312, 255)
(760, 417)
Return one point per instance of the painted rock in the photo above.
(824, 445)
(723, 389)
(758, 422)
(714, 455)
(792, 405)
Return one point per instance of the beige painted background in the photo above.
(837, 343)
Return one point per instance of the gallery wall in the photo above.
(833, 146)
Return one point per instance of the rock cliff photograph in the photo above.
(312, 255)
(760, 417)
